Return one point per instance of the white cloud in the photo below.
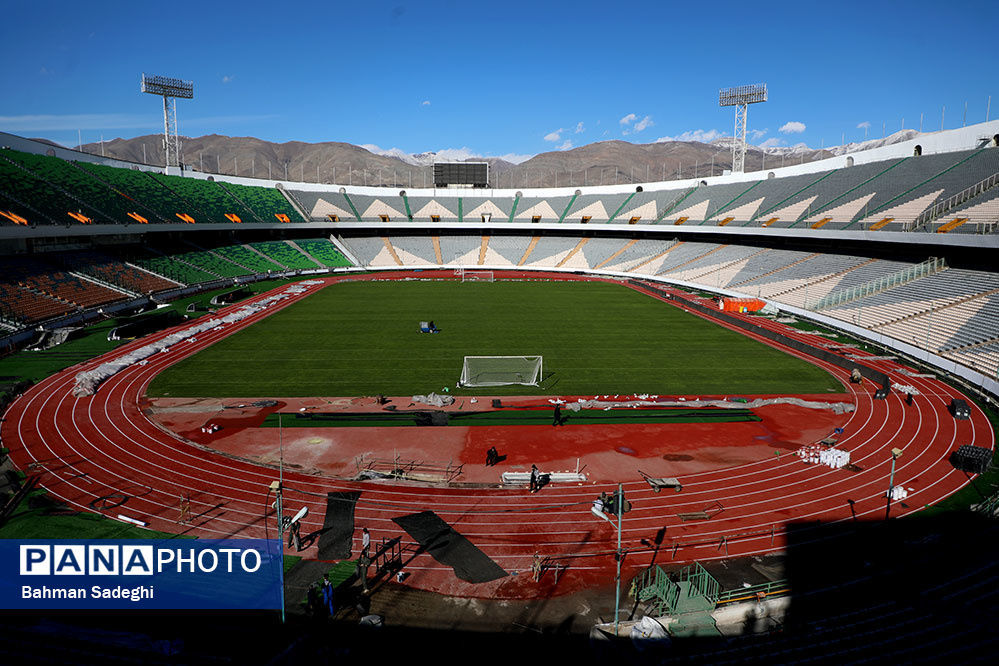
(704, 136)
(772, 142)
(566, 145)
(757, 134)
(644, 123)
(864, 125)
(792, 127)
(425, 102)
(227, 78)
(554, 136)
(638, 127)
(579, 127)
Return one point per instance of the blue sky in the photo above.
(499, 79)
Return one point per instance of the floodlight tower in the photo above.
(741, 97)
(168, 87)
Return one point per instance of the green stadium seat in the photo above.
(285, 254)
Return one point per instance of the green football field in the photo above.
(362, 338)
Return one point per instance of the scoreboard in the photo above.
(461, 174)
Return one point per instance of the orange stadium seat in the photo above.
(14, 217)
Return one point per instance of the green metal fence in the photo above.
(928, 267)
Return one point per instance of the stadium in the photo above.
(733, 416)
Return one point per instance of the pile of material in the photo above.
(818, 455)
(898, 493)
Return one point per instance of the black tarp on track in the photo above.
(449, 547)
(337, 533)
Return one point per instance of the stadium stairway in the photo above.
(815, 212)
(880, 284)
(324, 252)
(391, 250)
(935, 178)
(54, 203)
(266, 256)
(232, 192)
(436, 241)
(609, 260)
(950, 226)
(774, 271)
(307, 255)
(766, 213)
(971, 199)
(529, 250)
(186, 262)
(245, 258)
(730, 203)
(572, 252)
(105, 284)
(789, 296)
(77, 184)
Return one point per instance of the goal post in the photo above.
(477, 276)
(478, 371)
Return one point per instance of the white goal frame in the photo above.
(477, 276)
(529, 376)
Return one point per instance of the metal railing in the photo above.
(928, 267)
(701, 582)
(755, 592)
(659, 592)
(940, 209)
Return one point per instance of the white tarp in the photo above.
(88, 380)
(597, 403)
(434, 399)
(647, 632)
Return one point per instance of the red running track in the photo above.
(95, 451)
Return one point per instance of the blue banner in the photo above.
(141, 574)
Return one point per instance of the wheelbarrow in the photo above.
(658, 484)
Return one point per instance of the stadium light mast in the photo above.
(168, 87)
(741, 97)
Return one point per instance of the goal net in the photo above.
(476, 276)
(500, 371)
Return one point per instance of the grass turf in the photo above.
(361, 338)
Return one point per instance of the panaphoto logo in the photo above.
(133, 560)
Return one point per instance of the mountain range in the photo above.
(604, 162)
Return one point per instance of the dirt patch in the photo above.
(604, 452)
